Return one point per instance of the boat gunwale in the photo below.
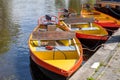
(53, 68)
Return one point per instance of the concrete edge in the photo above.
(103, 56)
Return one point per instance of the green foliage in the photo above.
(90, 78)
(91, 1)
(119, 45)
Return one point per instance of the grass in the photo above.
(90, 78)
(119, 45)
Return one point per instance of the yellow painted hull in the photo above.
(62, 60)
(86, 32)
(101, 18)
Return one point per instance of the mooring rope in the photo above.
(95, 46)
(87, 48)
(93, 49)
(61, 52)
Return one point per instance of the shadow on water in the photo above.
(36, 73)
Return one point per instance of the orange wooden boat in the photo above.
(90, 34)
(57, 53)
(85, 28)
(102, 19)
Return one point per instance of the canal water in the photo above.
(17, 20)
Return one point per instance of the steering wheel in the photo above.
(44, 20)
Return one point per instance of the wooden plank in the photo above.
(51, 27)
(52, 35)
(77, 20)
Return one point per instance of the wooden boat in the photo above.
(85, 28)
(90, 34)
(58, 53)
(102, 19)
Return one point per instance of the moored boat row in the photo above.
(85, 27)
(102, 19)
(55, 45)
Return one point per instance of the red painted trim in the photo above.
(79, 62)
(55, 69)
(86, 36)
(108, 25)
(47, 66)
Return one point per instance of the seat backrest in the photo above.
(51, 27)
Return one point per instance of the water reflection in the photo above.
(3, 45)
(75, 5)
(36, 73)
(7, 30)
(61, 4)
(17, 20)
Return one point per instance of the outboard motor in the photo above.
(48, 18)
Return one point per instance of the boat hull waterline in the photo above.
(63, 58)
